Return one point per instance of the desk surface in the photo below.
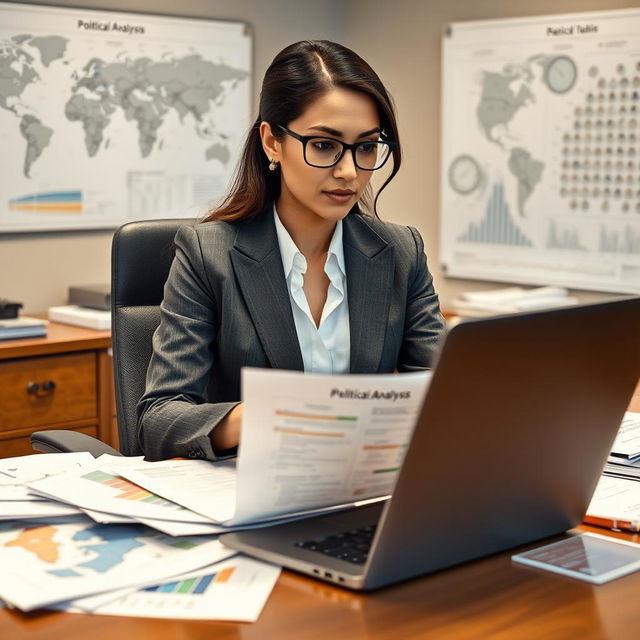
(488, 598)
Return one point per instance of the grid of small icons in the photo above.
(600, 153)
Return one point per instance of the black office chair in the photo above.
(141, 255)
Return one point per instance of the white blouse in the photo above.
(325, 349)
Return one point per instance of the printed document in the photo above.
(61, 559)
(627, 442)
(616, 499)
(309, 442)
(99, 486)
(15, 472)
(235, 589)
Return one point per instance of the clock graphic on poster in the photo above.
(561, 74)
(465, 174)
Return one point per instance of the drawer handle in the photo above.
(41, 390)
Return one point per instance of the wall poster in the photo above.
(541, 150)
(108, 117)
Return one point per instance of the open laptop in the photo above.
(509, 445)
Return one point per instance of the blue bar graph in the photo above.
(563, 239)
(612, 242)
(203, 583)
(193, 586)
(497, 227)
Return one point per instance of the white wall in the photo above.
(37, 268)
(401, 41)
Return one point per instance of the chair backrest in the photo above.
(141, 255)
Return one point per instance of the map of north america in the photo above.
(503, 95)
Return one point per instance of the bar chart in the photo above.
(497, 226)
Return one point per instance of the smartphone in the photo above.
(586, 556)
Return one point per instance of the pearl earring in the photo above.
(273, 165)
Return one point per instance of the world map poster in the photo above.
(111, 117)
(540, 173)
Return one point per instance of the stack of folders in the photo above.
(23, 327)
(510, 300)
(616, 501)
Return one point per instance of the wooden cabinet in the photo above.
(61, 381)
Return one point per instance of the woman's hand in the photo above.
(227, 434)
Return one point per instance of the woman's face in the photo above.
(305, 190)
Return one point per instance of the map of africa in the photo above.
(143, 89)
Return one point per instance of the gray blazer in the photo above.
(226, 305)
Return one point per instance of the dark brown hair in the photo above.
(298, 75)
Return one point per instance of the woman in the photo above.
(289, 272)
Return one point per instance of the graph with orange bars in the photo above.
(320, 418)
(128, 490)
(49, 202)
(193, 586)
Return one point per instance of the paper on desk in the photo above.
(107, 518)
(56, 560)
(39, 465)
(18, 510)
(627, 442)
(15, 472)
(205, 487)
(173, 528)
(622, 468)
(309, 442)
(100, 487)
(235, 589)
(510, 294)
(170, 527)
(616, 499)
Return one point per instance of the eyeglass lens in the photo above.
(322, 152)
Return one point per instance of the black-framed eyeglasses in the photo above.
(324, 152)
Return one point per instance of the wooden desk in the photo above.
(77, 362)
(488, 598)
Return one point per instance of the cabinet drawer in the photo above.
(12, 447)
(35, 392)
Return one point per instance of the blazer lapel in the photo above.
(258, 267)
(369, 261)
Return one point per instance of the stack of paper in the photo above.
(348, 433)
(616, 500)
(510, 300)
(81, 316)
(131, 523)
(615, 504)
(17, 501)
(624, 461)
(53, 555)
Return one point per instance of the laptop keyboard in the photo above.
(351, 546)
